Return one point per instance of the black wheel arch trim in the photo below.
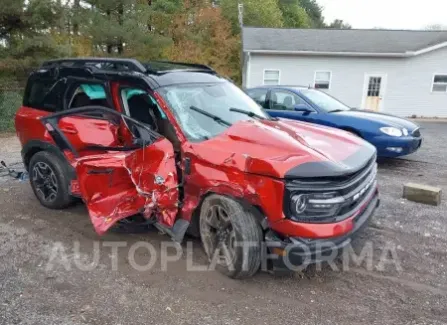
(34, 146)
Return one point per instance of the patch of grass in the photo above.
(10, 101)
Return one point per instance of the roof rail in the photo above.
(176, 66)
(111, 63)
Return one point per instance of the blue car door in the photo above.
(286, 104)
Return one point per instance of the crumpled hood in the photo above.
(275, 148)
(384, 119)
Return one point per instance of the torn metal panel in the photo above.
(116, 186)
(116, 181)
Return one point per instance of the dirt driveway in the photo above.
(37, 288)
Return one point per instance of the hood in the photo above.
(277, 148)
(385, 119)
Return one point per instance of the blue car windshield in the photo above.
(323, 101)
(218, 99)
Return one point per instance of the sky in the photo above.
(392, 14)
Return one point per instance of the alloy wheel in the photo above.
(45, 181)
(218, 235)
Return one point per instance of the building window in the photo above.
(271, 77)
(322, 79)
(439, 83)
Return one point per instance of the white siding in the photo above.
(408, 86)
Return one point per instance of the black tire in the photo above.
(240, 227)
(56, 167)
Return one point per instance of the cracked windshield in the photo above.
(206, 110)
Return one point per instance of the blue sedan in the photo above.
(391, 135)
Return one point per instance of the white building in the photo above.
(393, 71)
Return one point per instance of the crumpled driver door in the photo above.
(122, 181)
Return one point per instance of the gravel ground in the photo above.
(409, 289)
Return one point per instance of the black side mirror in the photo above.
(302, 108)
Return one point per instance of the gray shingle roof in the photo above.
(340, 40)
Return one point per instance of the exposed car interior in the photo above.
(89, 95)
(141, 106)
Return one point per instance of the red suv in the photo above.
(185, 149)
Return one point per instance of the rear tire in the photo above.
(49, 181)
(231, 236)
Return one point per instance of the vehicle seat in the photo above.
(80, 100)
(273, 101)
(141, 109)
(288, 102)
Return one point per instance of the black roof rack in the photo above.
(161, 66)
(125, 65)
(99, 63)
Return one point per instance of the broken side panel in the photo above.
(117, 186)
(116, 180)
(107, 190)
(153, 171)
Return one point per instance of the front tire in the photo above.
(49, 180)
(231, 236)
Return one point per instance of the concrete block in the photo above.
(422, 193)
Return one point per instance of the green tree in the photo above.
(314, 11)
(294, 15)
(205, 37)
(135, 28)
(339, 24)
(27, 30)
(265, 14)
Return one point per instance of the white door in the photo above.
(373, 92)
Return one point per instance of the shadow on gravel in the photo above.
(399, 164)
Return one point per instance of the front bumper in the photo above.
(296, 253)
(395, 147)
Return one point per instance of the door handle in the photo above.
(69, 130)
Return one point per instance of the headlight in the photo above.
(405, 132)
(394, 132)
(315, 205)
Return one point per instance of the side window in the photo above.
(439, 84)
(285, 100)
(133, 98)
(272, 77)
(138, 104)
(44, 94)
(87, 94)
(141, 106)
(259, 96)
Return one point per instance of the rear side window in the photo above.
(44, 94)
(87, 94)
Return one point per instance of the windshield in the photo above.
(324, 101)
(217, 99)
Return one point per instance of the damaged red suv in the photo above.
(185, 150)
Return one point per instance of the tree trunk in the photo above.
(149, 26)
(120, 22)
(76, 6)
(109, 42)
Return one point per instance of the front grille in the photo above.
(416, 133)
(354, 188)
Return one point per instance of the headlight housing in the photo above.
(315, 205)
(392, 131)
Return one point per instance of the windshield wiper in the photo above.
(212, 116)
(250, 114)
